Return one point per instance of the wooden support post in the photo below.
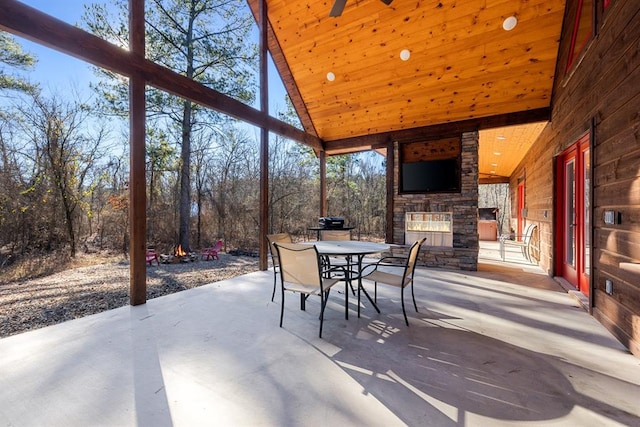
(391, 166)
(323, 183)
(137, 181)
(264, 140)
(264, 197)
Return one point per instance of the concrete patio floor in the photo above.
(505, 345)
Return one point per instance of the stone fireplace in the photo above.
(461, 208)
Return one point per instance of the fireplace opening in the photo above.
(436, 227)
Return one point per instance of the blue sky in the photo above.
(56, 70)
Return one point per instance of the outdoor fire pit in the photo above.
(179, 255)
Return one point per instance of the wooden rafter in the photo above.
(377, 141)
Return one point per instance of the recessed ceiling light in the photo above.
(493, 171)
(496, 153)
(330, 76)
(510, 23)
(500, 137)
(494, 164)
(405, 54)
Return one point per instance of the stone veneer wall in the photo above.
(464, 205)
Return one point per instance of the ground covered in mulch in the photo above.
(77, 292)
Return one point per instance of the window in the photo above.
(582, 30)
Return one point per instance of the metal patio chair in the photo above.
(380, 274)
(276, 238)
(301, 272)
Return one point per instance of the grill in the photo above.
(331, 222)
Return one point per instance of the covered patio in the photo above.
(502, 345)
(483, 80)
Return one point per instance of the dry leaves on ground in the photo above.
(78, 292)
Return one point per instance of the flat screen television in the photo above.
(430, 176)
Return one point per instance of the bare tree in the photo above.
(160, 159)
(205, 40)
(369, 195)
(294, 185)
(203, 170)
(496, 196)
(233, 150)
(10, 175)
(66, 152)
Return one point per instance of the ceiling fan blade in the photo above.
(387, 2)
(337, 8)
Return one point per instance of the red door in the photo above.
(573, 221)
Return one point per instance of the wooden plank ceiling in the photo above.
(463, 65)
(502, 149)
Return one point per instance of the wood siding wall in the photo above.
(604, 88)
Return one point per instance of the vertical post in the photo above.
(264, 139)
(137, 181)
(391, 167)
(323, 183)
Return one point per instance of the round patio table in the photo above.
(351, 249)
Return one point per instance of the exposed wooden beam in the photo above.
(380, 140)
(25, 21)
(355, 149)
(493, 180)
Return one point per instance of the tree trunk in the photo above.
(199, 226)
(72, 237)
(185, 155)
(185, 179)
(150, 212)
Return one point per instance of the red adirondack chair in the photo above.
(212, 252)
(151, 256)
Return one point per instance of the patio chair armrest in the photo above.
(386, 261)
(383, 262)
(511, 236)
(514, 242)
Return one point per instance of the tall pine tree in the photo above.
(13, 58)
(205, 40)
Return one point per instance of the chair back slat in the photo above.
(335, 234)
(412, 258)
(300, 272)
(529, 242)
(299, 263)
(528, 233)
(277, 238)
